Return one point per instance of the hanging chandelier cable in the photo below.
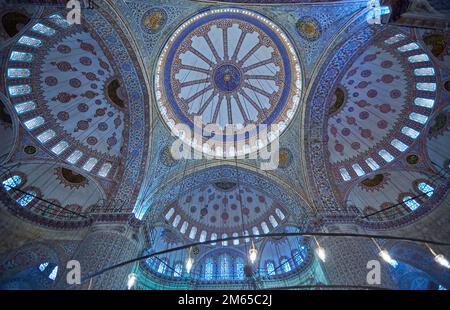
(305, 234)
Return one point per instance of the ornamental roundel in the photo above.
(309, 28)
(227, 66)
(154, 20)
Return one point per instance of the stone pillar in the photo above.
(104, 246)
(346, 261)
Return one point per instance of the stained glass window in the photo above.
(285, 265)
(273, 221)
(13, 181)
(372, 164)
(224, 266)
(43, 266)
(75, 157)
(60, 147)
(395, 39)
(21, 56)
(426, 188)
(418, 118)
(34, 122)
(418, 58)
(239, 268)
(399, 145)
(25, 199)
(426, 86)
(19, 90)
(53, 274)
(386, 155)
(42, 29)
(90, 164)
(412, 133)
(424, 71)
(359, 171)
(270, 268)
(408, 47)
(178, 270)
(15, 73)
(209, 269)
(344, 174)
(411, 203)
(423, 102)
(104, 170)
(46, 136)
(25, 107)
(193, 232)
(298, 259)
(30, 41)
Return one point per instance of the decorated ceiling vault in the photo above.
(89, 114)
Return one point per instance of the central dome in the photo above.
(229, 67)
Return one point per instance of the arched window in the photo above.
(285, 265)
(264, 227)
(386, 155)
(239, 268)
(426, 189)
(43, 266)
(224, 242)
(193, 232)
(169, 213)
(162, 266)
(224, 266)
(280, 214)
(53, 274)
(426, 86)
(25, 199)
(424, 71)
(418, 58)
(270, 268)
(178, 270)
(209, 269)
(412, 133)
(235, 241)
(21, 56)
(273, 221)
(13, 181)
(184, 227)
(423, 102)
(176, 221)
(411, 203)
(297, 256)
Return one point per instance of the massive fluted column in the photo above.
(105, 245)
(347, 260)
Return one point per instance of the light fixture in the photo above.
(439, 258)
(387, 258)
(252, 253)
(189, 262)
(384, 254)
(320, 251)
(131, 280)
